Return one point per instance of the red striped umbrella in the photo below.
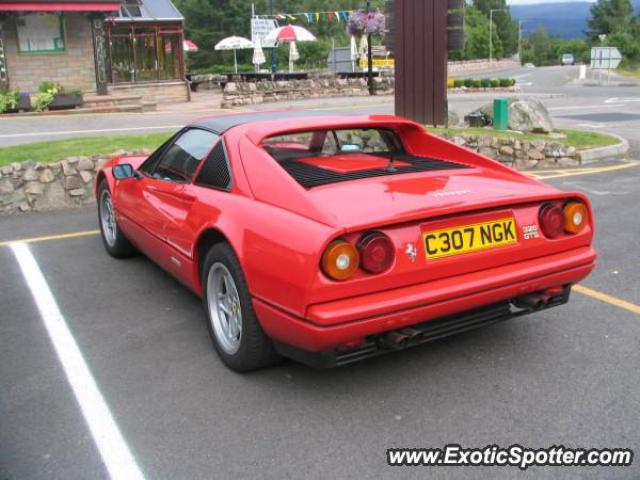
(289, 33)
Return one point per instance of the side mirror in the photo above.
(124, 171)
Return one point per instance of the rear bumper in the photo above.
(337, 323)
(419, 334)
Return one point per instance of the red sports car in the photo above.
(331, 238)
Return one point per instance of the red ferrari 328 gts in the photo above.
(331, 238)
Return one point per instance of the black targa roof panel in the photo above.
(223, 123)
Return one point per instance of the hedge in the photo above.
(481, 82)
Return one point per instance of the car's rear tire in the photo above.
(116, 244)
(234, 328)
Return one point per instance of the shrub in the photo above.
(468, 82)
(476, 83)
(50, 86)
(495, 82)
(450, 82)
(485, 82)
(458, 82)
(506, 82)
(9, 100)
(47, 92)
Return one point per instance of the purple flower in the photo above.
(363, 23)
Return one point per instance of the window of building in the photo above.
(131, 8)
(40, 33)
(145, 53)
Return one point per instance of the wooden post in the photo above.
(420, 47)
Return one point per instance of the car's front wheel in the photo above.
(236, 333)
(116, 244)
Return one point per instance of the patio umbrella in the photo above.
(293, 55)
(292, 34)
(289, 33)
(189, 46)
(354, 53)
(364, 46)
(258, 55)
(234, 43)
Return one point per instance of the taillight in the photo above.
(576, 217)
(551, 220)
(377, 252)
(340, 260)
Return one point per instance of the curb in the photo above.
(612, 152)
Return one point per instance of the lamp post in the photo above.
(273, 50)
(369, 56)
(491, 32)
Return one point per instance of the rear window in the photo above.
(328, 156)
(332, 142)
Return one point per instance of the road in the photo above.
(602, 108)
(567, 376)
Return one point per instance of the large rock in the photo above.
(453, 118)
(525, 115)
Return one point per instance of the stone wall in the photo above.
(32, 186)
(73, 69)
(522, 155)
(481, 65)
(248, 93)
(155, 92)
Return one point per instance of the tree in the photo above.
(504, 24)
(476, 32)
(611, 16)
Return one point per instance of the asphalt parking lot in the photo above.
(567, 376)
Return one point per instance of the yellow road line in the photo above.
(603, 297)
(47, 238)
(570, 172)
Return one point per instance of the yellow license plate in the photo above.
(469, 238)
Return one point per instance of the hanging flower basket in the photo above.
(363, 23)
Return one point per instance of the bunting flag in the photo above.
(312, 17)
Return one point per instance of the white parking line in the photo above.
(112, 446)
(99, 130)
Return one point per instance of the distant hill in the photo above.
(563, 19)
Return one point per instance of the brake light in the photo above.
(340, 260)
(551, 220)
(377, 252)
(576, 216)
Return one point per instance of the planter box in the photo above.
(65, 101)
(24, 104)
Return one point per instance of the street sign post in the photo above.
(605, 58)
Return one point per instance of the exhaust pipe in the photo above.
(532, 301)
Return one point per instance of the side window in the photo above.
(215, 171)
(180, 161)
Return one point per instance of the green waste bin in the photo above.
(501, 114)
